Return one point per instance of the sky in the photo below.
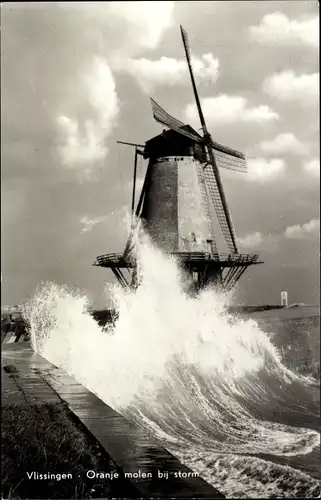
(77, 77)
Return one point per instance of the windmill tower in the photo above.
(181, 190)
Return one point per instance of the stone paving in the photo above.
(29, 378)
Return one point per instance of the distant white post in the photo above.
(284, 298)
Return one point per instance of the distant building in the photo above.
(284, 298)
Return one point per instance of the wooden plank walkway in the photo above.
(27, 377)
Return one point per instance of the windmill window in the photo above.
(193, 236)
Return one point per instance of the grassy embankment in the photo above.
(48, 438)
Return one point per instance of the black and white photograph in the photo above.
(160, 249)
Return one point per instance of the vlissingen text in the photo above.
(48, 476)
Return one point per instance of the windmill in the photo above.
(181, 188)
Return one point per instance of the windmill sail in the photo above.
(230, 162)
(229, 158)
(212, 187)
(161, 116)
(218, 194)
(189, 63)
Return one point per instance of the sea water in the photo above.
(211, 387)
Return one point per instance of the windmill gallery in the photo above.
(181, 199)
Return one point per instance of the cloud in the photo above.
(278, 29)
(261, 169)
(252, 240)
(89, 223)
(82, 141)
(285, 143)
(80, 148)
(145, 23)
(168, 71)
(120, 217)
(312, 166)
(297, 231)
(147, 20)
(225, 109)
(83, 128)
(288, 86)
